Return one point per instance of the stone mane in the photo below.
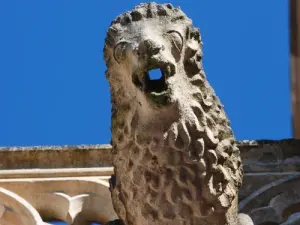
(175, 156)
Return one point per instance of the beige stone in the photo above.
(15, 210)
(174, 153)
(267, 176)
(78, 156)
(77, 196)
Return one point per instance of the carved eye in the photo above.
(120, 51)
(177, 43)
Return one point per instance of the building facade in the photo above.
(70, 183)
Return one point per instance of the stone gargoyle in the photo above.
(175, 156)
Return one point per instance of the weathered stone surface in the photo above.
(270, 155)
(79, 156)
(260, 185)
(245, 219)
(174, 153)
(77, 196)
(14, 210)
(266, 161)
(270, 190)
(69, 183)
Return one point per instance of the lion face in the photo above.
(150, 49)
(139, 45)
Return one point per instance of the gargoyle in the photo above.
(174, 153)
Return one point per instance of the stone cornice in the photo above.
(257, 156)
(78, 156)
(78, 175)
(63, 172)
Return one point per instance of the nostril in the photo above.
(156, 50)
(152, 47)
(148, 43)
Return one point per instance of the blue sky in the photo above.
(53, 88)
(52, 84)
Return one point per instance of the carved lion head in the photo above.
(180, 109)
(152, 37)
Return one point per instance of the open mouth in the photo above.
(153, 83)
(153, 80)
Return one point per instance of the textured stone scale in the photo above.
(175, 156)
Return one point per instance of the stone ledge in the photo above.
(80, 156)
(258, 156)
(270, 155)
(55, 148)
(62, 172)
(287, 141)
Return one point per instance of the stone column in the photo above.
(295, 64)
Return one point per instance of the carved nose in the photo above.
(151, 47)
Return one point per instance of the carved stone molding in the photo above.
(15, 210)
(76, 196)
(270, 193)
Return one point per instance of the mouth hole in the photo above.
(155, 81)
(155, 74)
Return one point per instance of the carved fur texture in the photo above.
(174, 153)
